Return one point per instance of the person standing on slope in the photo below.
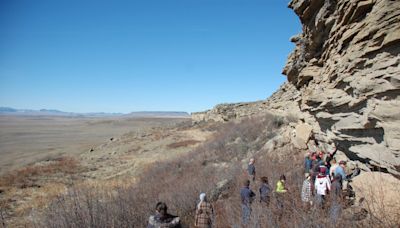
(265, 191)
(251, 169)
(322, 186)
(306, 192)
(333, 168)
(280, 195)
(307, 164)
(247, 197)
(280, 185)
(204, 213)
(340, 170)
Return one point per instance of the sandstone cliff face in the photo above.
(346, 68)
(343, 79)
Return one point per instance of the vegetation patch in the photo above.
(27, 177)
(185, 143)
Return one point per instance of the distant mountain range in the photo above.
(54, 112)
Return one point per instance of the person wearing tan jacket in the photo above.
(204, 213)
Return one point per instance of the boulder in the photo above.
(302, 134)
(381, 194)
(269, 146)
(275, 142)
(220, 189)
(340, 156)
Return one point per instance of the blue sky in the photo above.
(129, 55)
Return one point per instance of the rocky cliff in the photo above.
(343, 79)
(226, 112)
(346, 68)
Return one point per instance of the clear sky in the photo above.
(147, 55)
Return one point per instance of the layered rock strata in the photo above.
(346, 68)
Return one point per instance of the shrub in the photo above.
(236, 139)
(26, 177)
(171, 182)
(178, 183)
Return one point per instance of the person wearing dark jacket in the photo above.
(307, 164)
(314, 167)
(265, 191)
(251, 169)
(329, 157)
(162, 218)
(247, 197)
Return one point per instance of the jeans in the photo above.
(319, 200)
(246, 211)
(334, 212)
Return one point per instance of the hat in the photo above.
(202, 197)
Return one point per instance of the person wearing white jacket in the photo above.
(322, 186)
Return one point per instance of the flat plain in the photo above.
(25, 140)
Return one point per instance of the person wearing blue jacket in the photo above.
(340, 170)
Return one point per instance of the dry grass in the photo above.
(38, 198)
(26, 177)
(170, 181)
(130, 206)
(32, 188)
(178, 183)
(185, 143)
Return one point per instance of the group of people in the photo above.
(265, 192)
(323, 177)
